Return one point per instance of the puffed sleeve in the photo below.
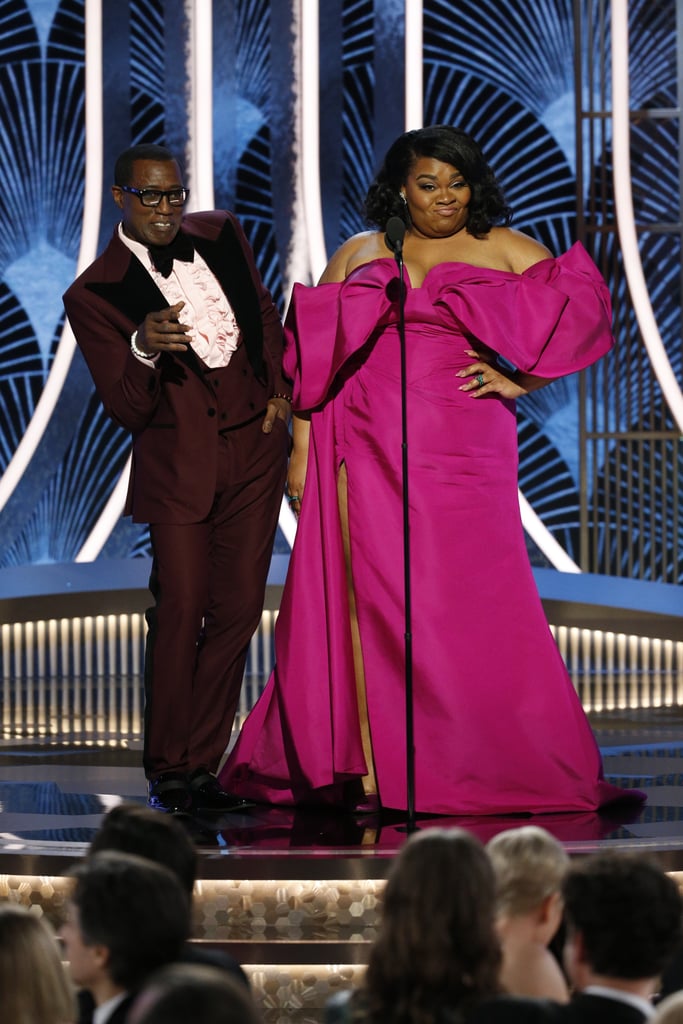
(552, 320)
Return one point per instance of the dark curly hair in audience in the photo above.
(628, 911)
(437, 951)
(452, 146)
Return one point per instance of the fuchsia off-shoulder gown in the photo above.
(498, 725)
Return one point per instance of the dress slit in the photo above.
(369, 781)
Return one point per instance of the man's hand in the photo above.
(162, 332)
(277, 408)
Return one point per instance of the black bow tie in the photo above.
(181, 248)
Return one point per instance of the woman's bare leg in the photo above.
(369, 780)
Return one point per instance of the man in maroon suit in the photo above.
(184, 345)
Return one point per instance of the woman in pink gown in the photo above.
(498, 727)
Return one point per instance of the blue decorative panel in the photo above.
(503, 71)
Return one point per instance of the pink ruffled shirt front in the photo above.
(214, 332)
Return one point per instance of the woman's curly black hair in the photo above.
(451, 146)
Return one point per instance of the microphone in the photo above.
(395, 233)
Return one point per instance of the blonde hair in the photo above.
(670, 1010)
(34, 987)
(529, 865)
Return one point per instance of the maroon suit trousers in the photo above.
(208, 581)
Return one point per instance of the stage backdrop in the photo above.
(281, 112)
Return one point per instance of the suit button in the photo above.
(211, 412)
(251, 405)
(244, 373)
(215, 383)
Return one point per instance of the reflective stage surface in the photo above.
(296, 895)
(53, 794)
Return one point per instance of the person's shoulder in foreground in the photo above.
(193, 992)
(345, 1008)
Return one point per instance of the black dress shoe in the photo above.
(170, 793)
(208, 794)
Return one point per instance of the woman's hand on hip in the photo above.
(488, 379)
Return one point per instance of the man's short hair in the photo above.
(529, 864)
(134, 828)
(123, 169)
(134, 907)
(628, 912)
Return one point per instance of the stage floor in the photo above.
(53, 795)
(296, 896)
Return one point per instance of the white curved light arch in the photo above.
(310, 136)
(92, 208)
(626, 224)
(544, 539)
(200, 72)
(311, 205)
(200, 164)
(414, 87)
(414, 118)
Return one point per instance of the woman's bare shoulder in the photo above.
(520, 251)
(360, 248)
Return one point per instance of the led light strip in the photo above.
(628, 238)
(92, 207)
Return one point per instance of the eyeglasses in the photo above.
(153, 196)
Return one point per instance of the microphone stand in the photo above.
(394, 239)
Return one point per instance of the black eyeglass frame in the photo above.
(141, 192)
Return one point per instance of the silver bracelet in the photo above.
(138, 351)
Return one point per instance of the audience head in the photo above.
(529, 865)
(624, 917)
(450, 146)
(135, 828)
(127, 917)
(437, 945)
(193, 992)
(34, 987)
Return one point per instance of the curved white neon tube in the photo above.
(92, 206)
(312, 208)
(200, 163)
(626, 224)
(201, 105)
(414, 87)
(110, 515)
(310, 136)
(540, 534)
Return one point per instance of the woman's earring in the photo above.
(404, 200)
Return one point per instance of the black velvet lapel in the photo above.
(135, 295)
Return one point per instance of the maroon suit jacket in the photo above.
(171, 409)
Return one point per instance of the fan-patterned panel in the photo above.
(505, 72)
